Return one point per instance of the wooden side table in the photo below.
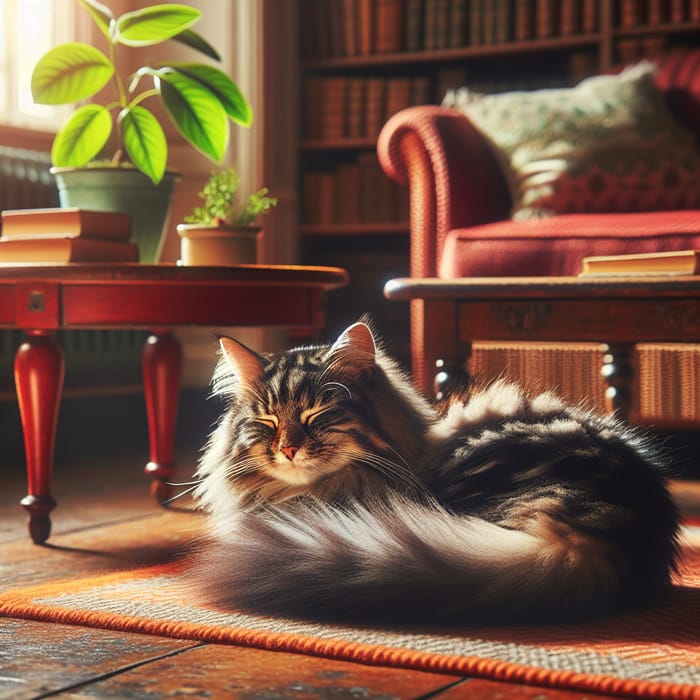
(618, 312)
(40, 299)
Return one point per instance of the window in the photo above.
(29, 28)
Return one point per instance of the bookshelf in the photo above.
(363, 60)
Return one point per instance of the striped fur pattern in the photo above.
(335, 491)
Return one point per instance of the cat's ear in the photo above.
(246, 364)
(355, 347)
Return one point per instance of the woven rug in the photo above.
(649, 654)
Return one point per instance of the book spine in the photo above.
(488, 21)
(334, 28)
(677, 11)
(414, 25)
(365, 23)
(429, 20)
(630, 13)
(459, 16)
(656, 12)
(350, 29)
(398, 95)
(389, 29)
(504, 21)
(475, 22)
(570, 18)
(694, 10)
(333, 102)
(313, 105)
(441, 30)
(524, 23)
(375, 107)
(355, 110)
(589, 16)
(546, 20)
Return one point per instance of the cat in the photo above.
(336, 491)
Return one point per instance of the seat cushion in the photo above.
(557, 245)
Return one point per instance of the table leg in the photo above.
(618, 373)
(162, 362)
(39, 370)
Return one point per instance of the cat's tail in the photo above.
(406, 561)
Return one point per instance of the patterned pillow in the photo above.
(609, 144)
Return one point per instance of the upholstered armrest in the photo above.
(453, 178)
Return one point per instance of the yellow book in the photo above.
(65, 222)
(676, 262)
(64, 250)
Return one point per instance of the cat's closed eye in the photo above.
(269, 421)
(309, 416)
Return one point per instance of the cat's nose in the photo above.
(289, 451)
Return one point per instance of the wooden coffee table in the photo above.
(40, 299)
(618, 312)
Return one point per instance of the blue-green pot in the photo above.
(122, 189)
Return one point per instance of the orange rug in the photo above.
(650, 654)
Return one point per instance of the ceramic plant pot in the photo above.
(125, 190)
(203, 244)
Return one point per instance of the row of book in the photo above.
(343, 28)
(357, 107)
(63, 235)
(634, 13)
(355, 192)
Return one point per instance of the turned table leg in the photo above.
(162, 361)
(618, 373)
(39, 370)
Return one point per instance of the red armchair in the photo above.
(460, 205)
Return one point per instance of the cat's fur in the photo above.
(336, 491)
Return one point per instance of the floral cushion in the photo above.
(609, 144)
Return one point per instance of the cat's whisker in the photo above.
(196, 482)
(334, 385)
(399, 472)
(240, 467)
(174, 498)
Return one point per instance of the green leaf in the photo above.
(154, 24)
(82, 137)
(144, 141)
(196, 113)
(223, 88)
(195, 41)
(70, 73)
(101, 15)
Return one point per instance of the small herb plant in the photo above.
(221, 204)
(199, 99)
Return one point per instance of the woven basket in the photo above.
(666, 390)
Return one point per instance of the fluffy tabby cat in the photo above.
(336, 491)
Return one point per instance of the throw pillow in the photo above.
(609, 144)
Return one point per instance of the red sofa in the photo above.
(460, 203)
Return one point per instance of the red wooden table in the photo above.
(40, 299)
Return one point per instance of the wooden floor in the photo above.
(106, 520)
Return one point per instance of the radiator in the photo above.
(25, 180)
(101, 358)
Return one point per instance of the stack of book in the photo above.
(65, 235)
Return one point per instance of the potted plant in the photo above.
(199, 99)
(223, 230)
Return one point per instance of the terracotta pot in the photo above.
(202, 244)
